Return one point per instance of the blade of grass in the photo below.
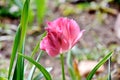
(40, 75)
(20, 66)
(15, 74)
(90, 75)
(14, 51)
(34, 67)
(38, 45)
(38, 58)
(23, 22)
(70, 66)
(62, 66)
(40, 67)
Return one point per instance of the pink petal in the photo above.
(64, 46)
(49, 47)
(78, 37)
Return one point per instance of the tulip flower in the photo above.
(62, 35)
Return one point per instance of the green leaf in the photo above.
(38, 45)
(24, 21)
(70, 66)
(34, 67)
(15, 73)
(39, 66)
(35, 49)
(90, 75)
(72, 74)
(14, 51)
(40, 75)
(38, 58)
(62, 65)
(23, 26)
(41, 8)
(69, 59)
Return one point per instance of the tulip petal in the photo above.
(48, 46)
(78, 37)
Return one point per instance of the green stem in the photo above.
(62, 65)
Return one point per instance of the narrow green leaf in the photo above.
(40, 67)
(33, 68)
(14, 51)
(23, 26)
(38, 45)
(90, 75)
(24, 21)
(69, 59)
(70, 66)
(62, 66)
(38, 58)
(40, 75)
(35, 49)
(15, 74)
(41, 8)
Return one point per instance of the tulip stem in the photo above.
(62, 65)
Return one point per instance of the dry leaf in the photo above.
(86, 66)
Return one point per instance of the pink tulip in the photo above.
(62, 35)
